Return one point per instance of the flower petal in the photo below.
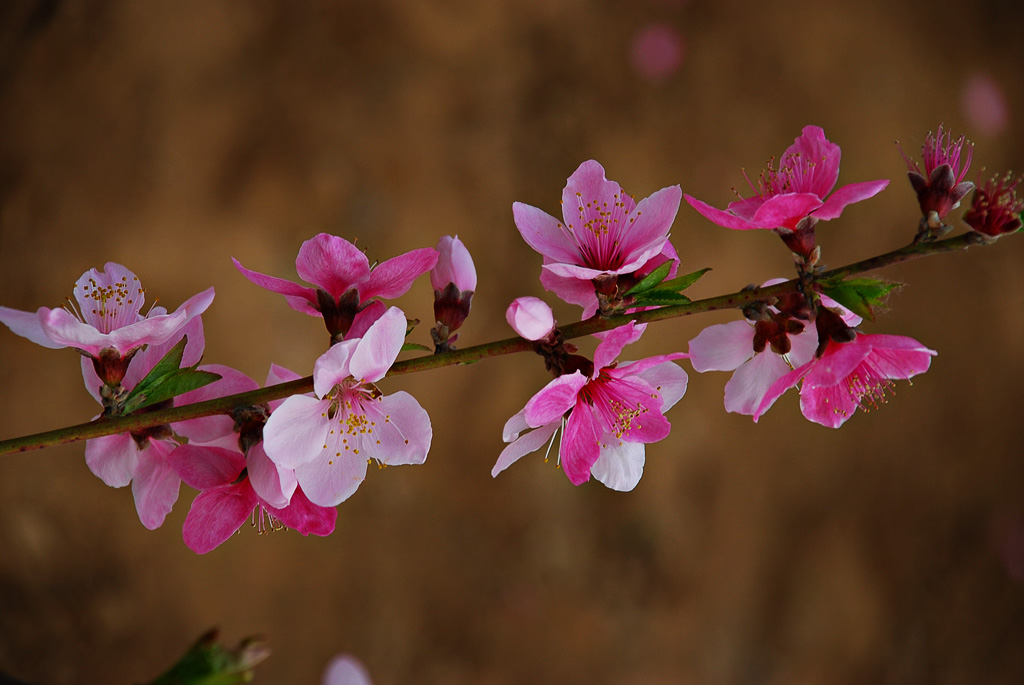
(204, 468)
(376, 351)
(454, 265)
(332, 264)
(274, 484)
(581, 444)
(781, 386)
(752, 380)
(305, 517)
(818, 159)
(545, 234)
(669, 380)
(523, 445)
(554, 399)
(333, 366)
(530, 317)
(651, 221)
(720, 217)
(216, 515)
(155, 484)
(299, 297)
(29, 325)
(210, 428)
(722, 347)
(786, 210)
(612, 343)
(620, 465)
(395, 276)
(847, 195)
(399, 432)
(329, 481)
(113, 458)
(295, 433)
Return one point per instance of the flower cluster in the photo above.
(288, 463)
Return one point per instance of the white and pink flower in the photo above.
(604, 240)
(607, 416)
(329, 439)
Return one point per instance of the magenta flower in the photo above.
(606, 416)
(140, 458)
(995, 208)
(851, 375)
(346, 284)
(531, 318)
(329, 439)
(807, 173)
(940, 185)
(454, 281)
(607, 241)
(108, 324)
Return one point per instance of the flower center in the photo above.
(107, 306)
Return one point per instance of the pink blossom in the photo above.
(940, 185)
(807, 173)
(140, 458)
(531, 318)
(606, 416)
(454, 280)
(345, 282)
(454, 265)
(851, 375)
(995, 208)
(345, 669)
(108, 318)
(607, 241)
(329, 439)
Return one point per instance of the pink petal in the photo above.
(589, 184)
(155, 484)
(399, 432)
(144, 361)
(279, 374)
(612, 343)
(829, 406)
(295, 433)
(720, 217)
(395, 276)
(366, 318)
(820, 156)
(785, 211)
(305, 517)
(897, 356)
(333, 366)
(210, 428)
(274, 484)
(530, 317)
(781, 386)
(523, 445)
(651, 222)
(628, 394)
(376, 351)
(299, 297)
(752, 380)
(545, 234)
(847, 195)
(745, 208)
(345, 670)
(620, 465)
(554, 399)
(581, 444)
(329, 481)
(216, 515)
(571, 290)
(29, 325)
(514, 426)
(837, 362)
(113, 458)
(454, 265)
(203, 467)
(332, 264)
(722, 347)
(668, 380)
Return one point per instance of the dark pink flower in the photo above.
(800, 188)
(995, 208)
(940, 185)
(108, 324)
(346, 284)
(606, 416)
(606, 241)
(850, 375)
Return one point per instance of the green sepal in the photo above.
(167, 380)
(651, 280)
(410, 347)
(860, 295)
(209, 663)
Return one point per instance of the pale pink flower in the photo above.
(607, 241)
(454, 265)
(108, 322)
(531, 318)
(850, 375)
(345, 669)
(799, 188)
(940, 185)
(140, 458)
(606, 416)
(346, 285)
(329, 439)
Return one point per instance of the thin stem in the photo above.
(223, 405)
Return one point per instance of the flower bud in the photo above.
(531, 318)
(454, 265)
(940, 185)
(454, 280)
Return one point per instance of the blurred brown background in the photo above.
(170, 136)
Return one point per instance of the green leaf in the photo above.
(681, 283)
(660, 297)
(409, 347)
(167, 380)
(209, 663)
(860, 295)
(651, 280)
